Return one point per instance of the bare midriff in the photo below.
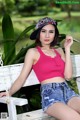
(53, 80)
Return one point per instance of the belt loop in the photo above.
(53, 85)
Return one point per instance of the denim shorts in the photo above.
(56, 92)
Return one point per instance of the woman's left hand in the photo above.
(68, 41)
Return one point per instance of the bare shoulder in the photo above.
(31, 53)
(31, 50)
(61, 52)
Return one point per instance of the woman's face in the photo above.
(47, 34)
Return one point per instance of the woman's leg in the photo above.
(62, 111)
(74, 103)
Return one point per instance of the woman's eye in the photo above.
(42, 31)
(51, 31)
(48, 31)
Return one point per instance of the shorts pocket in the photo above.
(46, 96)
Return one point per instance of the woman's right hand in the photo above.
(2, 94)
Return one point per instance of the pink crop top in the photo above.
(48, 67)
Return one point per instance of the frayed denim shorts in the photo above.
(55, 92)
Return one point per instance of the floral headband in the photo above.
(44, 21)
(40, 24)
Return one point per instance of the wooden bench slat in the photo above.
(35, 115)
(17, 101)
(8, 74)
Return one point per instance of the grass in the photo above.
(62, 15)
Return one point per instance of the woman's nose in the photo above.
(47, 34)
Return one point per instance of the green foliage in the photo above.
(9, 5)
(21, 52)
(26, 6)
(32, 7)
(73, 85)
(35, 98)
(19, 58)
(8, 36)
(42, 2)
(10, 41)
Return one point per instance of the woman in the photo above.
(52, 68)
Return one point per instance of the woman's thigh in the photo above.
(74, 103)
(62, 111)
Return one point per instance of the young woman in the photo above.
(52, 68)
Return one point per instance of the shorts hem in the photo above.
(72, 97)
(44, 109)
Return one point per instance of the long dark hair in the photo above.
(53, 43)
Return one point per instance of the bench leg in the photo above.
(11, 104)
(12, 111)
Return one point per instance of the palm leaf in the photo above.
(16, 40)
(8, 35)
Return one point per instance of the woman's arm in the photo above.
(28, 62)
(68, 62)
(66, 57)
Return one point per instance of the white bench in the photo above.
(8, 75)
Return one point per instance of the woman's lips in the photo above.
(46, 40)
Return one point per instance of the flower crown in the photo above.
(44, 21)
